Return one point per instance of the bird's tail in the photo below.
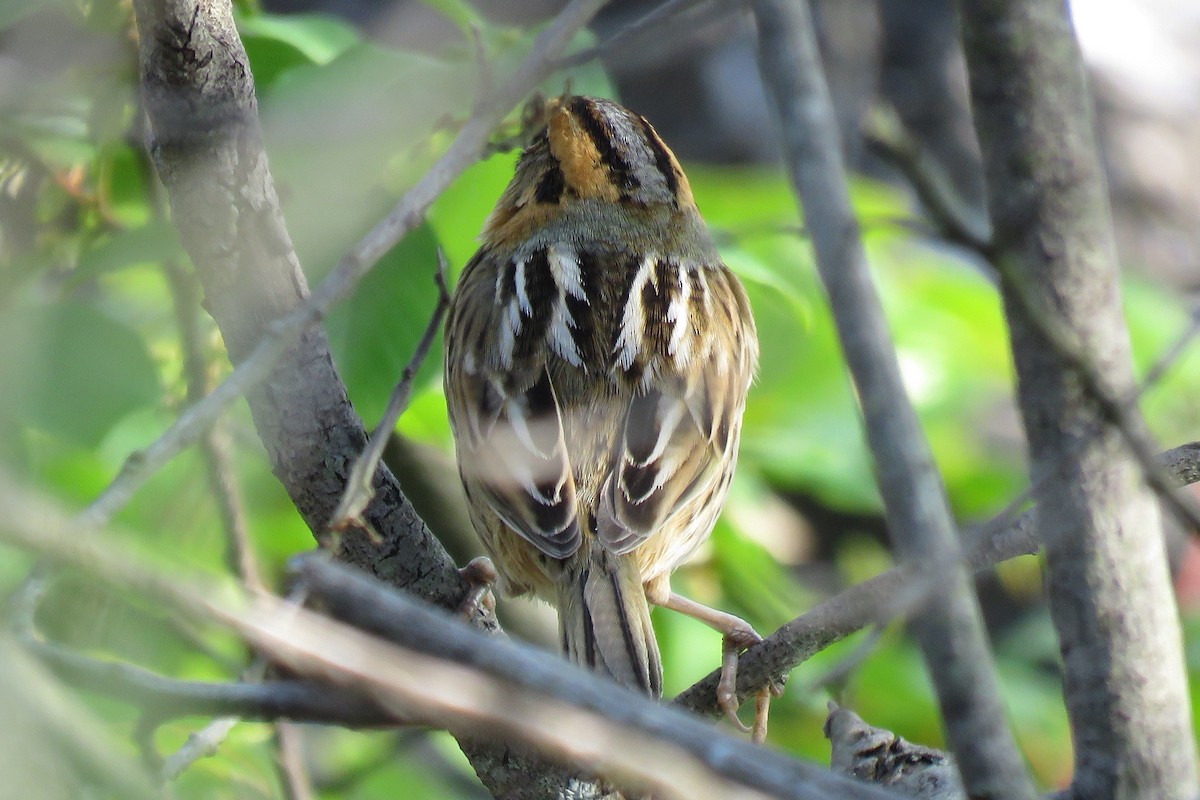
(604, 619)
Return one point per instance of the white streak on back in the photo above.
(633, 318)
(564, 266)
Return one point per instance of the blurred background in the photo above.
(104, 341)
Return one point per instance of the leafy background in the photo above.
(92, 369)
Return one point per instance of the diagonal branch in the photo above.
(198, 94)
(418, 662)
(358, 486)
(950, 627)
(875, 601)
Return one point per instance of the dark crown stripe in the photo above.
(602, 137)
(550, 188)
(662, 157)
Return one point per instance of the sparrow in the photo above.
(598, 353)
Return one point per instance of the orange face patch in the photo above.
(578, 157)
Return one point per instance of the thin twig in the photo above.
(214, 444)
(888, 138)
(163, 699)
(1013, 516)
(952, 222)
(1121, 415)
(216, 449)
(406, 215)
(360, 484)
(203, 743)
(842, 670)
(875, 601)
(668, 12)
(289, 755)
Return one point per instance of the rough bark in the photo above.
(198, 93)
(1107, 579)
(949, 628)
(206, 142)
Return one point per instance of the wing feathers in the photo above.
(670, 341)
(682, 422)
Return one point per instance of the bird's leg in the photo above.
(737, 635)
(480, 575)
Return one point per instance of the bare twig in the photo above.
(360, 484)
(163, 699)
(61, 736)
(840, 671)
(874, 601)
(289, 755)
(1114, 410)
(670, 12)
(445, 671)
(203, 743)
(950, 628)
(214, 444)
(216, 449)
(954, 223)
(888, 138)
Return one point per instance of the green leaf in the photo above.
(276, 43)
(461, 13)
(72, 371)
(339, 134)
(1157, 319)
(123, 174)
(153, 243)
(374, 333)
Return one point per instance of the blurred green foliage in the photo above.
(92, 369)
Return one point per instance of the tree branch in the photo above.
(163, 699)
(359, 490)
(198, 94)
(874, 601)
(434, 667)
(51, 745)
(1108, 583)
(949, 628)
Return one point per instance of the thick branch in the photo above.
(206, 143)
(436, 668)
(198, 93)
(950, 627)
(1108, 582)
